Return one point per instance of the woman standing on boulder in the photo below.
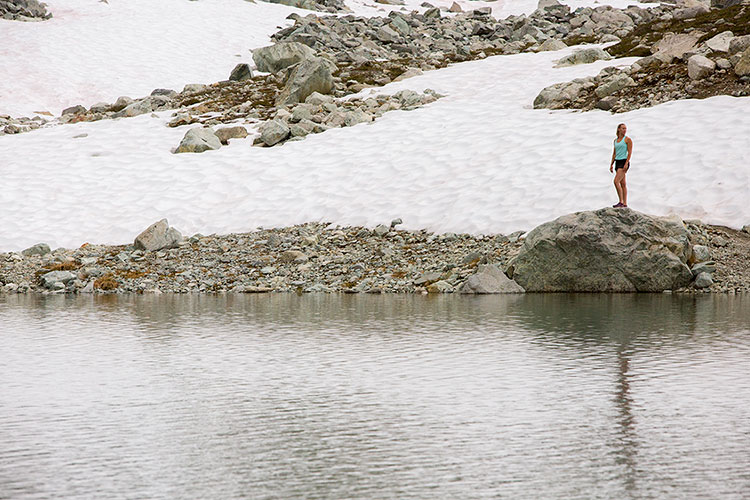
(621, 160)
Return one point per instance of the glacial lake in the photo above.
(370, 397)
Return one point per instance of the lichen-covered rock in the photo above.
(607, 250)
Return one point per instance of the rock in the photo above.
(23, 10)
(719, 241)
(356, 117)
(556, 95)
(441, 286)
(690, 12)
(543, 4)
(746, 228)
(317, 99)
(100, 107)
(121, 103)
(74, 110)
(396, 222)
(158, 236)
(701, 253)
(612, 84)
(455, 8)
(551, 45)
(274, 131)
(720, 42)
(51, 279)
(134, 109)
(427, 278)
(742, 68)
(490, 279)
(409, 73)
(723, 4)
(168, 93)
(274, 58)
(387, 34)
(240, 72)
(311, 75)
(381, 230)
(703, 280)
(198, 140)
(584, 56)
(699, 67)
(739, 44)
(433, 13)
(194, 88)
(226, 133)
(38, 249)
(703, 267)
(673, 46)
(293, 256)
(607, 250)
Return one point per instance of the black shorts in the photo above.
(621, 163)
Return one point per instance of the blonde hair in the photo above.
(617, 132)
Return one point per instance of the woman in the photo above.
(621, 159)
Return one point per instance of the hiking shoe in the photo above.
(618, 205)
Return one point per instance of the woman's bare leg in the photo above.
(624, 188)
(619, 175)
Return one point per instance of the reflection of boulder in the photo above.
(608, 250)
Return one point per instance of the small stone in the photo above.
(381, 230)
(700, 67)
(396, 222)
(701, 253)
(226, 133)
(293, 256)
(74, 110)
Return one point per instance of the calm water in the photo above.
(280, 396)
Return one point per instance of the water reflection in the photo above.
(554, 396)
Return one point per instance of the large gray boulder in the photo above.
(720, 42)
(49, 279)
(158, 236)
(274, 58)
(38, 249)
(585, 56)
(607, 250)
(273, 132)
(490, 279)
(311, 75)
(613, 84)
(198, 140)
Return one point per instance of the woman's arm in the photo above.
(629, 143)
(613, 159)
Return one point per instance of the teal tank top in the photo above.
(621, 149)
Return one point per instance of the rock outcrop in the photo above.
(607, 250)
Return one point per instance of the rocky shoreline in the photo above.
(319, 257)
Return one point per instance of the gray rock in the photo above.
(699, 67)
(607, 250)
(490, 279)
(38, 249)
(701, 253)
(381, 230)
(396, 222)
(746, 228)
(241, 72)
(703, 267)
(49, 280)
(317, 99)
(121, 103)
(168, 93)
(23, 10)
(293, 256)
(612, 84)
(742, 68)
(273, 132)
(274, 58)
(198, 140)
(584, 56)
(427, 278)
(720, 42)
(311, 75)
(723, 4)
(552, 44)
(194, 88)
(226, 133)
(74, 110)
(703, 280)
(556, 95)
(690, 12)
(739, 44)
(136, 108)
(673, 46)
(157, 237)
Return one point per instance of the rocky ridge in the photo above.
(692, 53)
(318, 257)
